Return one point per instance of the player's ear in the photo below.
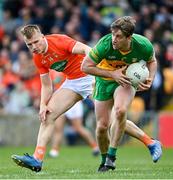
(129, 37)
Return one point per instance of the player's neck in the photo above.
(126, 49)
(46, 46)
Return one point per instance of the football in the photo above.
(137, 72)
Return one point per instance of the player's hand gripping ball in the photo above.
(137, 72)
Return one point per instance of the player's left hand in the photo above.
(145, 86)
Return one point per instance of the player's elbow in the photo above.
(84, 67)
(87, 65)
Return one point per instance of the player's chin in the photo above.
(36, 52)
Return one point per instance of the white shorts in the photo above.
(75, 111)
(82, 86)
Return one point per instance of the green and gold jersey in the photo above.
(111, 59)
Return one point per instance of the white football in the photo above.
(137, 72)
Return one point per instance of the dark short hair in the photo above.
(29, 30)
(126, 24)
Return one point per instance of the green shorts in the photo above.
(104, 89)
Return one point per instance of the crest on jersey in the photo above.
(134, 60)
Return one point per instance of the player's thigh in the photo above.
(103, 111)
(123, 96)
(62, 100)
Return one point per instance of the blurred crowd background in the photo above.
(86, 21)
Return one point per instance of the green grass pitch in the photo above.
(77, 162)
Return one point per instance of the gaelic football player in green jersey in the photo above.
(107, 61)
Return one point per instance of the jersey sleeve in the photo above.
(149, 50)
(41, 69)
(66, 43)
(97, 53)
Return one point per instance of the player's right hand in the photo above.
(43, 112)
(120, 77)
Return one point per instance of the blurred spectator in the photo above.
(95, 36)
(14, 50)
(60, 18)
(19, 100)
(8, 22)
(169, 54)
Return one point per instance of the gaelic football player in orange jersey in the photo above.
(63, 54)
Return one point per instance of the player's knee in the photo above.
(101, 128)
(51, 117)
(120, 112)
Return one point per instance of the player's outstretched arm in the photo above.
(80, 48)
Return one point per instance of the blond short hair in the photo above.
(29, 30)
(126, 24)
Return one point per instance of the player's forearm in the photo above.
(90, 67)
(46, 93)
(152, 67)
(87, 50)
(80, 48)
(96, 71)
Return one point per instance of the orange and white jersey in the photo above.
(59, 57)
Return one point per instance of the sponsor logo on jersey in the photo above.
(59, 66)
(111, 57)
